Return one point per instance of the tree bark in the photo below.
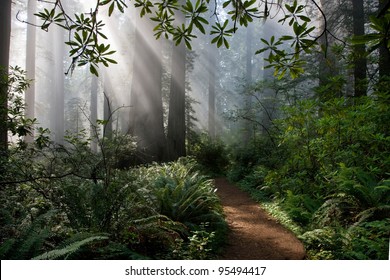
(94, 111)
(30, 66)
(108, 107)
(212, 69)
(58, 106)
(5, 34)
(360, 61)
(146, 111)
(384, 52)
(248, 81)
(176, 116)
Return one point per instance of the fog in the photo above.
(73, 100)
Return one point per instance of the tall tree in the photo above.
(5, 34)
(146, 109)
(248, 80)
(360, 60)
(57, 122)
(108, 107)
(327, 62)
(176, 116)
(212, 55)
(94, 112)
(212, 71)
(30, 64)
(267, 100)
(384, 52)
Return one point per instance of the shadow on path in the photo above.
(254, 234)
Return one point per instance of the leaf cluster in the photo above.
(379, 36)
(289, 59)
(85, 33)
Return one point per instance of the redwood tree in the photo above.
(146, 111)
(176, 117)
(384, 52)
(360, 60)
(5, 33)
(30, 65)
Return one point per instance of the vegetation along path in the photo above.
(254, 234)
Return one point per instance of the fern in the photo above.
(69, 250)
(31, 240)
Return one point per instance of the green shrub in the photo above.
(211, 154)
(199, 246)
(333, 176)
(368, 241)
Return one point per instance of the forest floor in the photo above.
(254, 234)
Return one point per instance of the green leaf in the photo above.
(111, 9)
(305, 18)
(220, 41)
(225, 24)
(226, 3)
(104, 2)
(287, 38)
(93, 70)
(214, 40)
(225, 41)
(188, 44)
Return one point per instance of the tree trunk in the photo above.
(94, 111)
(176, 115)
(107, 112)
(30, 66)
(327, 62)
(5, 34)
(360, 61)
(108, 105)
(58, 106)
(146, 111)
(248, 81)
(212, 69)
(384, 52)
(267, 102)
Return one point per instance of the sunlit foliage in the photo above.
(88, 43)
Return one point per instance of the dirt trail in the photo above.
(254, 234)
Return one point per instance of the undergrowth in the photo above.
(327, 180)
(67, 202)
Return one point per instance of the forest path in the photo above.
(254, 234)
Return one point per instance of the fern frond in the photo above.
(374, 213)
(68, 250)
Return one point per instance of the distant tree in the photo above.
(108, 106)
(94, 111)
(5, 34)
(146, 110)
(176, 117)
(57, 102)
(212, 80)
(360, 60)
(212, 68)
(30, 64)
(248, 80)
(327, 66)
(384, 50)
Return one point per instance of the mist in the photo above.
(133, 96)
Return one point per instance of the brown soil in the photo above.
(254, 234)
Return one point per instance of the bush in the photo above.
(68, 202)
(211, 154)
(332, 178)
